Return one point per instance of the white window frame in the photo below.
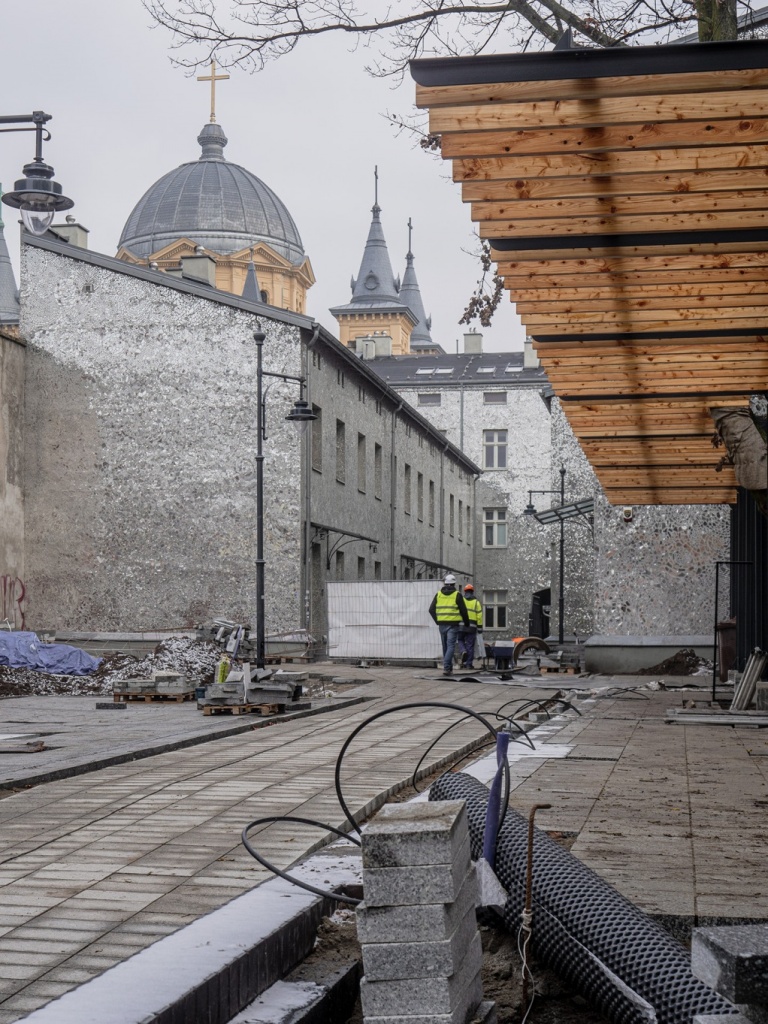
(495, 442)
(495, 602)
(495, 523)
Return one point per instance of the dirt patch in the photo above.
(553, 1003)
(685, 662)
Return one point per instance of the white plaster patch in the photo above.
(274, 1005)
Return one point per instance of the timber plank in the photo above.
(536, 291)
(599, 259)
(721, 278)
(619, 205)
(625, 302)
(588, 88)
(602, 138)
(605, 109)
(664, 224)
(712, 495)
(565, 165)
(728, 179)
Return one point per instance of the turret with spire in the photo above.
(376, 306)
(411, 296)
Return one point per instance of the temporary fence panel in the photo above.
(382, 620)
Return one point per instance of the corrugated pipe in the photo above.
(629, 968)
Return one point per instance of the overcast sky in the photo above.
(310, 126)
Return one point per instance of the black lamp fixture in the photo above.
(36, 196)
(300, 415)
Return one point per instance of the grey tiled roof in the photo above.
(493, 369)
(217, 204)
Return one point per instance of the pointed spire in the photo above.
(251, 290)
(375, 282)
(9, 294)
(410, 295)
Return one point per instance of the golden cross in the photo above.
(213, 78)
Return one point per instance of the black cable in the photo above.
(339, 897)
(388, 711)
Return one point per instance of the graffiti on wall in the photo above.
(12, 594)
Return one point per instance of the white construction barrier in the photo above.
(383, 620)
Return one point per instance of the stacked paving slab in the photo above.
(421, 948)
(733, 960)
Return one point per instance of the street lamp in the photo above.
(37, 196)
(300, 415)
(529, 510)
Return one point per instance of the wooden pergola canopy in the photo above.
(624, 193)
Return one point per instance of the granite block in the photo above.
(437, 883)
(395, 960)
(484, 1014)
(418, 996)
(419, 922)
(414, 834)
(733, 960)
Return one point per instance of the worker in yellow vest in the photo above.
(449, 612)
(468, 634)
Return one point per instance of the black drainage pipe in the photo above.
(628, 967)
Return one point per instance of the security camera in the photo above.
(627, 513)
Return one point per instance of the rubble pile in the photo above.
(197, 659)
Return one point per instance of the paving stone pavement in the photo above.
(98, 866)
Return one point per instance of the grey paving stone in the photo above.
(733, 961)
(439, 883)
(419, 833)
(412, 997)
(422, 922)
(387, 960)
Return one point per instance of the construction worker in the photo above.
(468, 635)
(449, 612)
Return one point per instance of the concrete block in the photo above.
(438, 883)
(733, 960)
(410, 997)
(762, 696)
(414, 834)
(420, 922)
(290, 677)
(407, 959)
(732, 1018)
(484, 1014)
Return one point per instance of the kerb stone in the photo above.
(419, 922)
(733, 960)
(439, 883)
(402, 835)
(462, 992)
(396, 960)
(484, 1014)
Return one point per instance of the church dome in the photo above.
(214, 203)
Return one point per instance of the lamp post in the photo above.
(300, 415)
(529, 510)
(37, 196)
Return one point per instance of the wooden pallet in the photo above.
(570, 670)
(244, 709)
(148, 698)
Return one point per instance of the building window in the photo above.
(495, 449)
(361, 394)
(341, 451)
(469, 525)
(377, 570)
(430, 398)
(450, 515)
(317, 439)
(340, 378)
(361, 483)
(431, 502)
(339, 565)
(420, 496)
(378, 406)
(461, 519)
(377, 471)
(495, 609)
(407, 490)
(495, 397)
(361, 568)
(494, 527)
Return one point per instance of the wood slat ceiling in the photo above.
(625, 196)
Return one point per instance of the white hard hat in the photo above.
(450, 578)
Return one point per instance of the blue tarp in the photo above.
(25, 650)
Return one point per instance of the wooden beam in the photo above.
(577, 165)
(588, 88)
(622, 300)
(721, 282)
(601, 259)
(727, 179)
(604, 109)
(671, 496)
(665, 224)
(649, 135)
(738, 293)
